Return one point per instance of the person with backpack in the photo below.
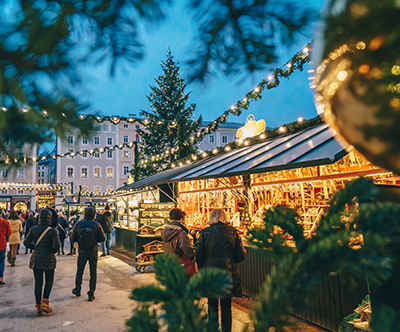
(106, 221)
(44, 241)
(87, 233)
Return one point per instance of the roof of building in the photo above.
(233, 125)
(318, 145)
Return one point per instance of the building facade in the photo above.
(92, 173)
(23, 174)
(226, 133)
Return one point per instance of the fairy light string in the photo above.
(297, 62)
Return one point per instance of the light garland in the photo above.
(291, 128)
(272, 81)
(12, 186)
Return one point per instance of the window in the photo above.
(126, 126)
(84, 155)
(8, 142)
(20, 156)
(20, 191)
(70, 139)
(84, 190)
(96, 154)
(109, 154)
(96, 172)
(21, 173)
(109, 172)
(4, 173)
(126, 154)
(110, 189)
(224, 139)
(109, 140)
(126, 170)
(211, 138)
(84, 140)
(97, 140)
(4, 191)
(137, 139)
(71, 150)
(137, 127)
(126, 139)
(70, 172)
(97, 190)
(105, 127)
(84, 172)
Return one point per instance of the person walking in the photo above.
(87, 233)
(71, 224)
(220, 246)
(62, 226)
(15, 237)
(43, 238)
(5, 232)
(106, 221)
(173, 244)
(29, 223)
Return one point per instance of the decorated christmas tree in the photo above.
(170, 125)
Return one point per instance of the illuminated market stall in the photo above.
(302, 170)
(139, 206)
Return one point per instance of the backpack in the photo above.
(87, 239)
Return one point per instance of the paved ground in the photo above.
(107, 313)
(116, 278)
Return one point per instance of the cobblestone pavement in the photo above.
(116, 277)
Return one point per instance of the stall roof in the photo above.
(310, 147)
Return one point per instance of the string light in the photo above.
(296, 62)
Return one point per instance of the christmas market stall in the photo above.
(301, 170)
(45, 198)
(141, 211)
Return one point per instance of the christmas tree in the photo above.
(169, 124)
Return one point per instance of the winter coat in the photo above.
(29, 223)
(62, 228)
(220, 246)
(16, 229)
(43, 257)
(106, 221)
(183, 247)
(100, 236)
(5, 232)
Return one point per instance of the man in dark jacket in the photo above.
(29, 223)
(106, 221)
(87, 233)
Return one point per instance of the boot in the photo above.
(13, 259)
(44, 306)
(38, 312)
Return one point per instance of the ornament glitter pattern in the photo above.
(357, 81)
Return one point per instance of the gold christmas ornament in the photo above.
(357, 78)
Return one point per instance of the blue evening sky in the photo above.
(127, 92)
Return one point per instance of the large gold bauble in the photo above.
(357, 81)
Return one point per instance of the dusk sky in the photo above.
(127, 92)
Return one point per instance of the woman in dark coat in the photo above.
(170, 233)
(43, 259)
(220, 246)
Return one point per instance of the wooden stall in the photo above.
(303, 171)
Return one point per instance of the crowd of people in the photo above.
(218, 246)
